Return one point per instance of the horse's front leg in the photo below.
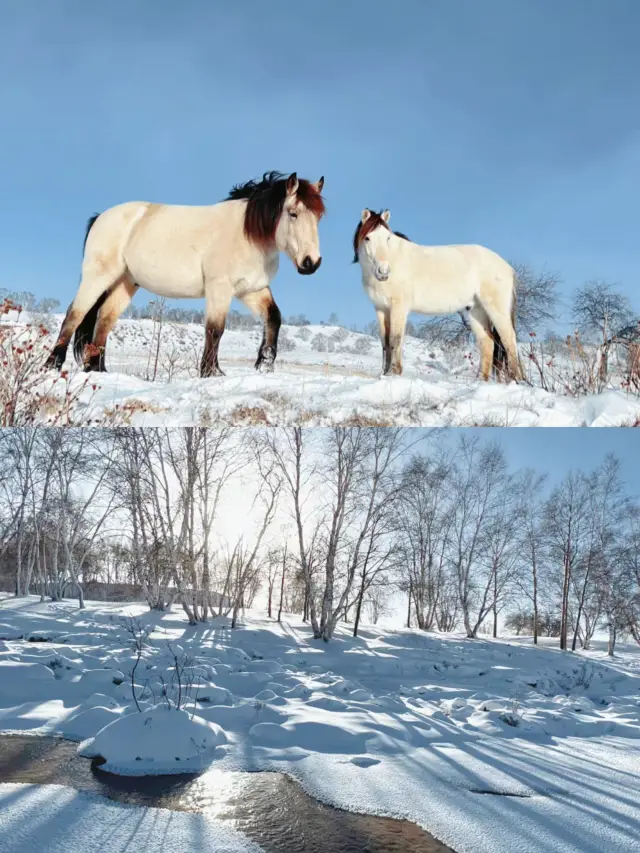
(383, 322)
(218, 299)
(261, 304)
(397, 324)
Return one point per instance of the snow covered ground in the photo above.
(323, 375)
(492, 746)
(55, 819)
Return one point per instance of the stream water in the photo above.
(269, 808)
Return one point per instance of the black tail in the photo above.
(84, 333)
(499, 366)
(90, 223)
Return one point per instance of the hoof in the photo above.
(55, 361)
(265, 360)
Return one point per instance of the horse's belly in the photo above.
(165, 277)
(431, 299)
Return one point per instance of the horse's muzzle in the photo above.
(308, 267)
(383, 272)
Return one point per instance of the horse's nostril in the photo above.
(308, 266)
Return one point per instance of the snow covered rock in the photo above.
(158, 741)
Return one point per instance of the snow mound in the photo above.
(99, 679)
(159, 741)
(22, 682)
(8, 632)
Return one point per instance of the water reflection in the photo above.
(268, 807)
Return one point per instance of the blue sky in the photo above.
(555, 452)
(512, 123)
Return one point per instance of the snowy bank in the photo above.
(492, 746)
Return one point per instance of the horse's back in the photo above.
(489, 263)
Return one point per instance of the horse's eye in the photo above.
(366, 239)
(293, 215)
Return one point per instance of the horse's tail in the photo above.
(90, 223)
(84, 333)
(499, 365)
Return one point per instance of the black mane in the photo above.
(271, 182)
(265, 202)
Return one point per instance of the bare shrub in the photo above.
(27, 394)
(285, 343)
(340, 335)
(362, 345)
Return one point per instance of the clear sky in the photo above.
(555, 452)
(512, 123)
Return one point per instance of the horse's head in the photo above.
(371, 243)
(283, 213)
(297, 230)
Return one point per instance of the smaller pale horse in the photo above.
(400, 276)
(221, 251)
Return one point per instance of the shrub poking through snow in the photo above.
(139, 636)
(28, 393)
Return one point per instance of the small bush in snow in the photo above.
(362, 346)
(340, 335)
(304, 333)
(321, 343)
(285, 343)
(29, 394)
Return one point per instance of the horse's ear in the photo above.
(320, 184)
(292, 184)
(385, 216)
(366, 213)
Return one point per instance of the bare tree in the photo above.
(598, 308)
(566, 524)
(532, 543)
(339, 487)
(480, 485)
(536, 295)
(424, 534)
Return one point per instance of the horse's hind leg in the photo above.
(262, 304)
(500, 316)
(116, 302)
(218, 300)
(481, 328)
(96, 279)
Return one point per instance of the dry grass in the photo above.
(357, 419)
(123, 413)
(249, 416)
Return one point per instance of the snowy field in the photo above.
(324, 375)
(492, 746)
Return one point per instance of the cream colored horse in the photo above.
(226, 250)
(400, 276)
